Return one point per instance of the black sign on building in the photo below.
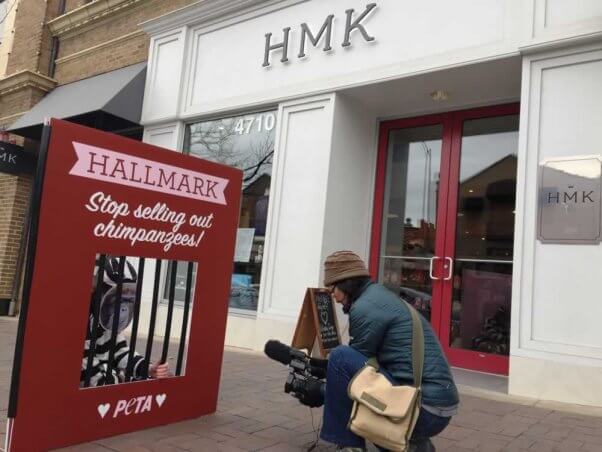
(14, 160)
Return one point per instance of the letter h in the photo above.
(269, 47)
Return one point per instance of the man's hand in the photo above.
(158, 370)
(314, 397)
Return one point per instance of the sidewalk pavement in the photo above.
(254, 414)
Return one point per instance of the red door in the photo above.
(443, 226)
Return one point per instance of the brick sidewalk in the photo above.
(254, 414)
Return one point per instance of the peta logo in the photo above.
(136, 405)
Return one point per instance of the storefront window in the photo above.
(180, 288)
(409, 224)
(245, 142)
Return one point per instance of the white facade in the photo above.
(206, 62)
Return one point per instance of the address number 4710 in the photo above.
(258, 123)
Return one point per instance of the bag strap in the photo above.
(373, 362)
(417, 346)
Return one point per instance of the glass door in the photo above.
(443, 229)
(411, 197)
(476, 301)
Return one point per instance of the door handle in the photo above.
(432, 262)
(451, 269)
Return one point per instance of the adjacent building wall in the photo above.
(14, 200)
(97, 37)
(8, 10)
(24, 60)
(88, 38)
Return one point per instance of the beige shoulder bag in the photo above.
(382, 413)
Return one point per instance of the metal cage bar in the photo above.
(172, 295)
(185, 319)
(93, 322)
(116, 312)
(134, 337)
(153, 318)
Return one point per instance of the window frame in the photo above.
(238, 312)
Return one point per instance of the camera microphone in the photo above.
(284, 354)
(306, 375)
(278, 351)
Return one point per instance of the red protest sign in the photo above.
(126, 297)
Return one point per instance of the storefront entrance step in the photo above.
(480, 380)
(495, 387)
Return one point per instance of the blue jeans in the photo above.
(343, 364)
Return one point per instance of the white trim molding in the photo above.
(209, 12)
(169, 136)
(558, 19)
(561, 43)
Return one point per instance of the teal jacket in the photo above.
(380, 326)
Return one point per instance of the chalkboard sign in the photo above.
(317, 320)
(328, 331)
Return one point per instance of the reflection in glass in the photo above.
(181, 278)
(487, 191)
(410, 212)
(409, 278)
(245, 142)
(480, 318)
(412, 185)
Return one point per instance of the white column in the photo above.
(293, 251)
(297, 208)
(351, 179)
(164, 77)
(556, 349)
(168, 136)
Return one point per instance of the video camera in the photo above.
(307, 376)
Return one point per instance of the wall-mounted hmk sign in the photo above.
(569, 200)
(126, 289)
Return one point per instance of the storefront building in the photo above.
(442, 141)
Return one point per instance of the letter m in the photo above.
(306, 33)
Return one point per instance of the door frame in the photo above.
(441, 298)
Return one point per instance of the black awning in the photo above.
(115, 96)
